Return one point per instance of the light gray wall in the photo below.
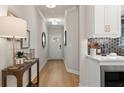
(36, 25)
(83, 41)
(71, 51)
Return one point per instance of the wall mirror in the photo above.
(43, 39)
(65, 38)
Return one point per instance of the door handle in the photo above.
(105, 28)
(60, 46)
(109, 28)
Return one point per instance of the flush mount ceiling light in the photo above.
(51, 6)
(54, 21)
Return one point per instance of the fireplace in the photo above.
(112, 76)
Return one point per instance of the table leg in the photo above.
(4, 79)
(19, 80)
(38, 73)
(29, 82)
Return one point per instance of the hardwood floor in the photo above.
(54, 74)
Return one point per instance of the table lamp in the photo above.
(12, 27)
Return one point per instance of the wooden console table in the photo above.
(18, 73)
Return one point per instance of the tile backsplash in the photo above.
(113, 44)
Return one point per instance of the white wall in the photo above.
(122, 9)
(36, 24)
(42, 53)
(55, 31)
(71, 51)
(83, 42)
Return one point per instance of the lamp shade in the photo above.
(12, 26)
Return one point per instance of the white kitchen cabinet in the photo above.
(103, 21)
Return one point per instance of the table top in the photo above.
(22, 67)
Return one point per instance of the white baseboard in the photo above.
(55, 58)
(81, 85)
(35, 74)
(41, 67)
(71, 70)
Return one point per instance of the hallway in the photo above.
(54, 74)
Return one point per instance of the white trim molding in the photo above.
(71, 70)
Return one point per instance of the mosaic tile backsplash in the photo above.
(115, 45)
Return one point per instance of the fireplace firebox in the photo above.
(112, 76)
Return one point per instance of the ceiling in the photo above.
(57, 12)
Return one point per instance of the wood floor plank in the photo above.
(54, 74)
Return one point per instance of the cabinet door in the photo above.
(99, 20)
(103, 21)
(113, 19)
(95, 20)
(90, 21)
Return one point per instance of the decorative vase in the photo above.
(32, 53)
(19, 60)
(93, 52)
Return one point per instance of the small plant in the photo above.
(19, 54)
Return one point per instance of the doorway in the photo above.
(55, 42)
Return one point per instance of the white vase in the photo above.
(19, 60)
(93, 52)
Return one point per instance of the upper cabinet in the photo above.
(103, 21)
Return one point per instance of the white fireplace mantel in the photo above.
(92, 73)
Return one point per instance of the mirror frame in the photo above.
(43, 39)
(65, 38)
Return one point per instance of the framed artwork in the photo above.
(25, 42)
(11, 13)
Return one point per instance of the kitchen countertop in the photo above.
(106, 58)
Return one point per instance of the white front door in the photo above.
(56, 43)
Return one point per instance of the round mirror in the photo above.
(43, 39)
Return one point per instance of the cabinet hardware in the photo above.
(107, 28)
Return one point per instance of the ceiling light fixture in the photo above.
(51, 6)
(55, 21)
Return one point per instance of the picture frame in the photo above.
(25, 42)
(11, 13)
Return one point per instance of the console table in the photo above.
(18, 73)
